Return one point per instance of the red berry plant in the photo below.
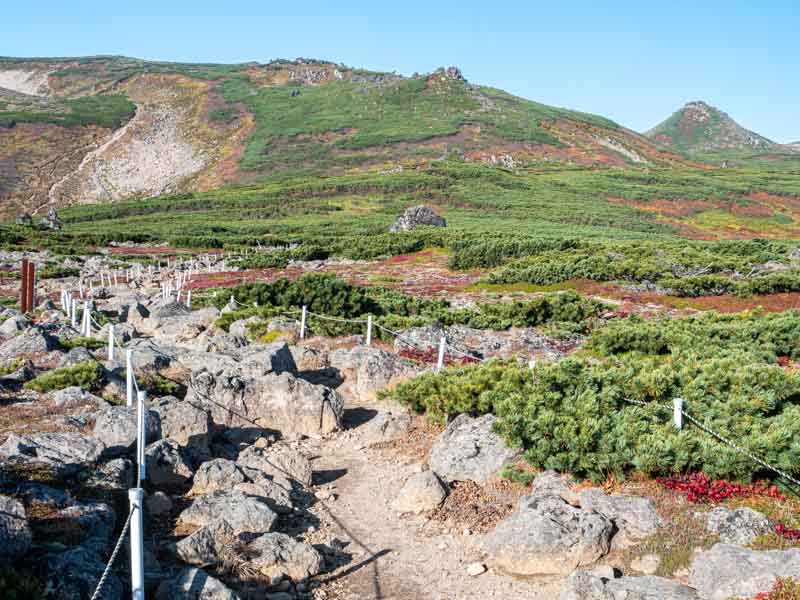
(699, 488)
(430, 356)
(782, 589)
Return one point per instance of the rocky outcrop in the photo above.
(276, 556)
(244, 513)
(736, 526)
(468, 450)
(15, 533)
(634, 517)
(728, 571)
(367, 369)
(585, 586)
(421, 492)
(283, 402)
(168, 465)
(184, 423)
(194, 584)
(116, 427)
(63, 454)
(417, 216)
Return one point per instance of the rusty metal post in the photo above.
(23, 287)
(31, 286)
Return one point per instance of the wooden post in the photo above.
(23, 287)
(31, 285)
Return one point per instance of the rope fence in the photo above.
(113, 557)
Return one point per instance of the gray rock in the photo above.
(15, 533)
(208, 545)
(278, 461)
(547, 536)
(367, 369)
(417, 216)
(150, 356)
(239, 328)
(33, 341)
(24, 220)
(73, 575)
(75, 396)
(647, 564)
(283, 402)
(63, 453)
(552, 483)
(269, 358)
(385, 426)
(134, 314)
(23, 371)
(117, 474)
(116, 427)
(13, 325)
(277, 556)
(186, 423)
(158, 503)
(736, 526)
(728, 571)
(167, 466)
(636, 518)
(194, 584)
(245, 514)
(468, 450)
(421, 492)
(216, 475)
(76, 356)
(585, 586)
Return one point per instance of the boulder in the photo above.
(185, 423)
(239, 328)
(116, 474)
(158, 503)
(278, 461)
(167, 465)
(468, 450)
(736, 526)
(244, 513)
(277, 556)
(385, 426)
(194, 584)
(417, 216)
(15, 533)
(367, 369)
(13, 325)
(24, 220)
(585, 586)
(421, 492)
(63, 454)
(728, 571)
(283, 402)
(73, 575)
(268, 358)
(75, 356)
(552, 483)
(634, 517)
(117, 427)
(207, 545)
(135, 315)
(75, 396)
(216, 475)
(34, 340)
(548, 536)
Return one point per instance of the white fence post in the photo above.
(369, 330)
(677, 412)
(303, 322)
(86, 325)
(73, 312)
(110, 342)
(189, 299)
(440, 358)
(141, 418)
(135, 498)
(129, 377)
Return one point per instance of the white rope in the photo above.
(111, 560)
(401, 338)
(465, 354)
(337, 319)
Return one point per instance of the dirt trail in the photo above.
(396, 557)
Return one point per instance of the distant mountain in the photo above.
(107, 128)
(701, 129)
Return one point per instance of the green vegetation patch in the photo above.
(87, 375)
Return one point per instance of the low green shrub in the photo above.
(87, 375)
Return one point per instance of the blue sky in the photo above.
(634, 62)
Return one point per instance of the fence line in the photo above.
(113, 557)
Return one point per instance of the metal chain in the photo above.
(741, 450)
(111, 560)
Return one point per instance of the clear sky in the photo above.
(634, 62)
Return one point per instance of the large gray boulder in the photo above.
(728, 571)
(385, 426)
(279, 461)
(75, 356)
(117, 474)
(585, 586)
(208, 545)
(185, 423)
(15, 533)
(548, 536)
(468, 450)
(277, 556)
(421, 492)
(33, 341)
(63, 454)
(117, 428)
(13, 325)
(244, 513)
(736, 526)
(367, 369)
(262, 359)
(167, 465)
(636, 518)
(74, 573)
(216, 475)
(417, 216)
(194, 584)
(283, 402)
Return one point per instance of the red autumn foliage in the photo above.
(699, 488)
(430, 356)
(783, 589)
(786, 533)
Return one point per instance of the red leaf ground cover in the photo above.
(699, 488)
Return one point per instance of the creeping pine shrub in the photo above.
(86, 375)
(81, 342)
